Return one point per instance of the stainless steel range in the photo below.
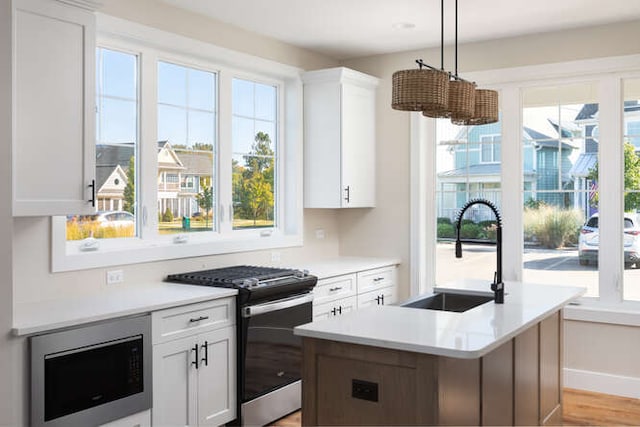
(270, 303)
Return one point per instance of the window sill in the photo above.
(134, 251)
(624, 313)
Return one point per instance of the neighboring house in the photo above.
(112, 163)
(587, 119)
(198, 169)
(181, 176)
(476, 161)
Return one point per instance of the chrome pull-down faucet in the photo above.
(497, 286)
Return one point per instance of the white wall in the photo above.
(384, 231)
(8, 377)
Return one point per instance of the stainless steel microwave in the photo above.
(91, 375)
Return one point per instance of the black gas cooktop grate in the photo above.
(254, 284)
(232, 276)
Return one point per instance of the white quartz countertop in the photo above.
(43, 316)
(344, 265)
(467, 335)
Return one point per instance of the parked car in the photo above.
(115, 219)
(589, 240)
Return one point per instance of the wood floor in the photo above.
(581, 408)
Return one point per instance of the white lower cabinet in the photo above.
(334, 308)
(383, 296)
(340, 294)
(194, 376)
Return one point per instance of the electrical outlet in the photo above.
(275, 256)
(115, 276)
(320, 234)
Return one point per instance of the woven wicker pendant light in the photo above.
(485, 111)
(419, 89)
(425, 88)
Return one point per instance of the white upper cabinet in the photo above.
(340, 139)
(53, 146)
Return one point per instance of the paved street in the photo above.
(547, 266)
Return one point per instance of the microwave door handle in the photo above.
(254, 310)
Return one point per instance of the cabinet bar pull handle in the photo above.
(382, 298)
(205, 359)
(333, 311)
(347, 194)
(337, 288)
(195, 359)
(377, 279)
(340, 310)
(92, 186)
(197, 319)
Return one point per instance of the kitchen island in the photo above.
(495, 364)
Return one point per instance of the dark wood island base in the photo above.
(517, 383)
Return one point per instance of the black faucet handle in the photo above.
(458, 249)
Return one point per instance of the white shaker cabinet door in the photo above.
(358, 147)
(217, 377)
(53, 109)
(175, 391)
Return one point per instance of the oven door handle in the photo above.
(254, 310)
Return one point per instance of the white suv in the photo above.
(590, 238)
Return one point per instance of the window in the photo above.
(560, 186)
(205, 172)
(464, 173)
(631, 179)
(254, 154)
(490, 148)
(186, 145)
(116, 147)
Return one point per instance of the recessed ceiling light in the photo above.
(403, 25)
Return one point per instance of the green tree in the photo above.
(260, 197)
(631, 178)
(130, 189)
(203, 146)
(253, 183)
(205, 201)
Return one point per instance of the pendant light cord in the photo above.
(456, 56)
(442, 35)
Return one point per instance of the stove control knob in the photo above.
(250, 283)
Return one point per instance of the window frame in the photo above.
(609, 73)
(491, 142)
(153, 45)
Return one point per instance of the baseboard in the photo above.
(598, 382)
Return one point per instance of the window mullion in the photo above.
(148, 173)
(225, 202)
(511, 185)
(611, 189)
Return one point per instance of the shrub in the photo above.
(444, 220)
(167, 216)
(551, 226)
(472, 231)
(446, 231)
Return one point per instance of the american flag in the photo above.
(593, 189)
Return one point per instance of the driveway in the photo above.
(546, 266)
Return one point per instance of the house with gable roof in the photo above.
(182, 173)
(475, 159)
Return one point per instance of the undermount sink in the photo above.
(448, 301)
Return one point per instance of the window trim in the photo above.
(609, 73)
(151, 45)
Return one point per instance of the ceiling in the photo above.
(345, 29)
